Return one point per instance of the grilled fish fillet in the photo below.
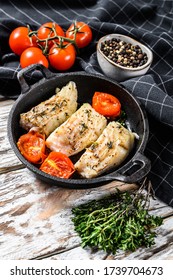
(78, 132)
(51, 113)
(110, 150)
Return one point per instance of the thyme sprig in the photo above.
(119, 221)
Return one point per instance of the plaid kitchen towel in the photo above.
(150, 22)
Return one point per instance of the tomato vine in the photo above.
(58, 47)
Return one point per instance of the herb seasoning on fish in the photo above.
(123, 53)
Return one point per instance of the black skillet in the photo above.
(136, 165)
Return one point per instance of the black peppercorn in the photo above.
(123, 53)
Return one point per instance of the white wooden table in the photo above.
(35, 218)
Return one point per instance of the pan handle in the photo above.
(136, 169)
(22, 74)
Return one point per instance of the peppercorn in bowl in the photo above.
(121, 57)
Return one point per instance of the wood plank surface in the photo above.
(35, 218)
(8, 159)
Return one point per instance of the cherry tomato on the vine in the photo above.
(19, 40)
(47, 30)
(31, 56)
(83, 33)
(62, 57)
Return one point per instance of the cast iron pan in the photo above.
(136, 165)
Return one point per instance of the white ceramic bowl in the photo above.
(116, 71)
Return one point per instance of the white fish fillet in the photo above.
(78, 132)
(110, 150)
(51, 113)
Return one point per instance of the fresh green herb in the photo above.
(120, 221)
(122, 118)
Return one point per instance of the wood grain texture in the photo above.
(35, 218)
(8, 159)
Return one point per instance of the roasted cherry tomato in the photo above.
(106, 104)
(83, 34)
(31, 56)
(32, 147)
(58, 164)
(19, 40)
(47, 30)
(62, 57)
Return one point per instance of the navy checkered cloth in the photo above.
(150, 22)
